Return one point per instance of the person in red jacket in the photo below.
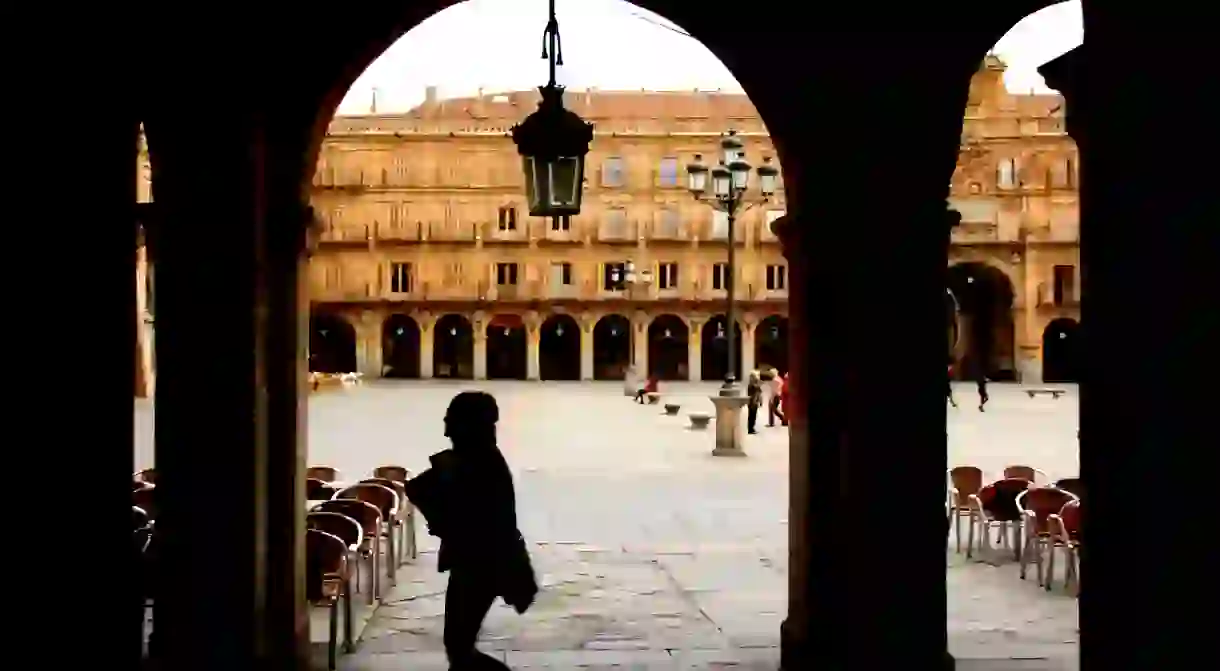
(783, 400)
(650, 387)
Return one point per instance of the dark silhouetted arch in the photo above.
(771, 343)
(668, 348)
(453, 348)
(986, 333)
(332, 344)
(507, 348)
(611, 347)
(715, 349)
(1061, 351)
(400, 347)
(559, 348)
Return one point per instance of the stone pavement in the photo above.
(652, 553)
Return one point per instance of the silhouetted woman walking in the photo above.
(468, 500)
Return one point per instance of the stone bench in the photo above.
(699, 420)
(1053, 393)
(672, 409)
(653, 397)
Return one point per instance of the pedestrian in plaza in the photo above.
(651, 385)
(468, 500)
(784, 411)
(775, 390)
(981, 382)
(949, 385)
(754, 393)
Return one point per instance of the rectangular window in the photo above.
(614, 276)
(720, 225)
(1006, 173)
(670, 224)
(612, 171)
(508, 218)
(1064, 284)
(615, 224)
(561, 275)
(561, 223)
(667, 275)
(720, 276)
(506, 274)
(777, 277)
(400, 278)
(667, 174)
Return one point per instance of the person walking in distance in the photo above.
(981, 382)
(949, 385)
(775, 387)
(468, 500)
(754, 402)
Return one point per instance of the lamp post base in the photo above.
(730, 433)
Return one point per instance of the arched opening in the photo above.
(771, 344)
(559, 349)
(453, 348)
(1061, 351)
(986, 333)
(611, 348)
(715, 349)
(668, 348)
(332, 344)
(400, 347)
(507, 348)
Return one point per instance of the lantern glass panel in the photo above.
(697, 180)
(720, 182)
(767, 181)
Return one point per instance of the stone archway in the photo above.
(668, 348)
(453, 348)
(986, 334)
(559, 348)
(332, 344)
(611, 347)
(400, 339)
(714, 348)
(1061, 359)
(771, 343)
(507, 348)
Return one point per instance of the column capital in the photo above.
(749, 320)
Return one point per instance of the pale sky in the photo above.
(612, 45)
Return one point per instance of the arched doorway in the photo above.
(1061, 351)
(400, 347)
(332, 344)
(668, 348)
(611, 347)
(771, 343)
(506, 348)
(715, 349)
(559, 349)
(453, 348)
(985, 326)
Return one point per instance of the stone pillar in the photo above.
(748, 324)
(1143, 421)
(531, 353)
(480, 352)
(1029, 363)
(850, 609)
(427, 343)
(694, 351)
(639, 343)
(231, 572)
(586, 347)
(369, 361)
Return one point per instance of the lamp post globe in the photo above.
(768, 176)
(722, 180)
(696, 176)
(553, 143)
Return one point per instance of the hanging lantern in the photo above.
(553, 142)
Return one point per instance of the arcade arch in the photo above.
(1061, 355)
(986, 333)
(400, 347)
(507, 348)
(611, 347)
(668, 348)
(559, 348)
(453, 348)
(332, 344)
(714, 349)
(771, 343)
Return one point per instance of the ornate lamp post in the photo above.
(553, 142)
(730, 182)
